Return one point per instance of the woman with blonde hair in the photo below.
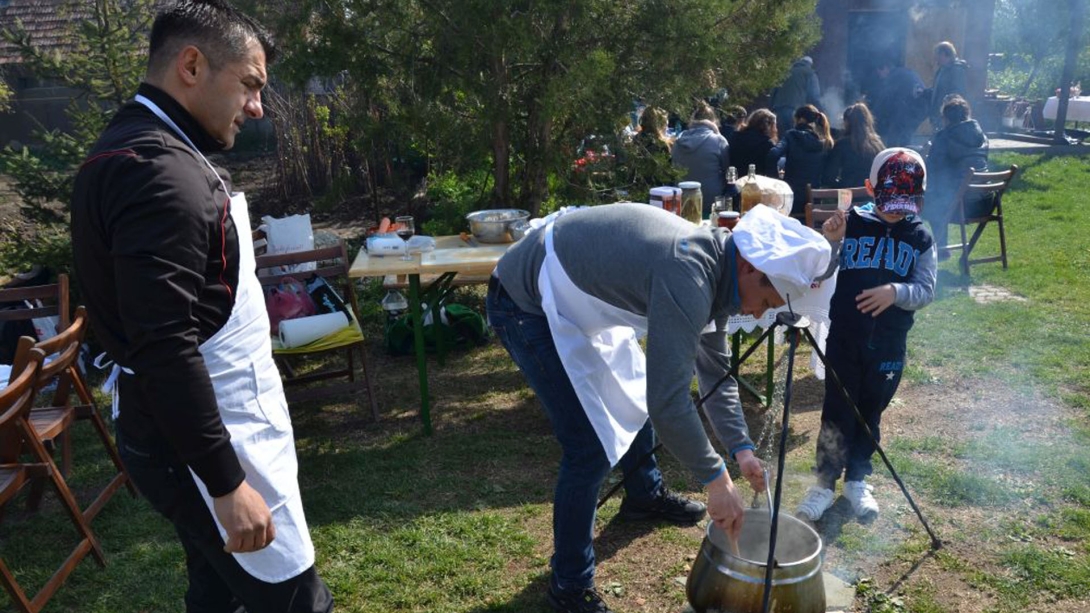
(849, 162)
(751, 144)
(804, 148)
(652, 135)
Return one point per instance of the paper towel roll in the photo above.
(300, 331)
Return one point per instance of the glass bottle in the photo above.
(692, 201)
(733, 194)
(751, 192)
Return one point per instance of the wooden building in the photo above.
(856, 33)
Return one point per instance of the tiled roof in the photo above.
(45, 20)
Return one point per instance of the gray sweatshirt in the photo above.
(680, 277)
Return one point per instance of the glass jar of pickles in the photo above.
(692, 201)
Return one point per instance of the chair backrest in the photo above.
(63, 351)
(978, 185)
(332, 265)
(16, 401)
(822, 203)
(53, 298)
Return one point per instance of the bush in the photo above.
(454, 197)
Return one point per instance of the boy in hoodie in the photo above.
(702, 151)
(957, 147)
(887, 272)
(949, 79)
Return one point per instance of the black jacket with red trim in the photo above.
(157, 262)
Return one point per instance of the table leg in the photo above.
(421, 356)
(736, 366)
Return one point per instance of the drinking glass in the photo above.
(405, 230)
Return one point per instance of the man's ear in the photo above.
(189, 63)
(870, 188)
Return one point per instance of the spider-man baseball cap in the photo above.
(899, 178)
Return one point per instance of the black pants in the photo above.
(217, 583)
(870, 365)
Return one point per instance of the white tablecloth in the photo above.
(815, 306)
(1078, 109)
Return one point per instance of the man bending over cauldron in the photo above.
(569, 302)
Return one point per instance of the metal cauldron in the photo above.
(721, 582)
(498, 225)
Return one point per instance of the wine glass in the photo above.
(405, 230)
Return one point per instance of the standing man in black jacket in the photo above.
(165, 262)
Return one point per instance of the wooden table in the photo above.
(452, 256)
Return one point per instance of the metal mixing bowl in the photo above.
(498, 225)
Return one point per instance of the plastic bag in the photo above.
(288, 235)
(461, 327)
(288, 301)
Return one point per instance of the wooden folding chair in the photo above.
(53, 423)
(45, 301)
(16, 433)
(821, 204)
(979, 201)
(332, 265)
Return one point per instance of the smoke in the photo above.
(832, 101)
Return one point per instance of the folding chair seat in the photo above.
(16, 472)
(979, 202)
(53, 422)
(332, 264)
(821, 204)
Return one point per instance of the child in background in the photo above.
(887, 272)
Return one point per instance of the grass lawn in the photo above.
(991, 432)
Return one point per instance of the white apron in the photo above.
(253, 408)
(598, 345)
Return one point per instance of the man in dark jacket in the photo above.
(956, 148)
(801, 87)
(949, 79)
(162, 248)
(898, 103)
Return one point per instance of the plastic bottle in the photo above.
(394, 303)
(751, 192)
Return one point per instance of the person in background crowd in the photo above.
(898, 103)
(957, 147)
(652, 134)
(651, 149)
(804, 148)
(166, 267)
(702, 151)
(569, 303)
(887, 273)
(752, 143)
(849, 162)
(949, 79)
(733, 119)
(800, 88)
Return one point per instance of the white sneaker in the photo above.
(859, 494)
(814, 504)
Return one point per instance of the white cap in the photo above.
(784, 249)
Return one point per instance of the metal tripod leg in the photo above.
(829, 372)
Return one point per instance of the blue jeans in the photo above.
(584, 465)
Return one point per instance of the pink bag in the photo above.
(288, 301)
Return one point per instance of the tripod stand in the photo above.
(797, 325)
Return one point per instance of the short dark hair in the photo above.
(221, 31)
(955, 109)
(947, 48)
